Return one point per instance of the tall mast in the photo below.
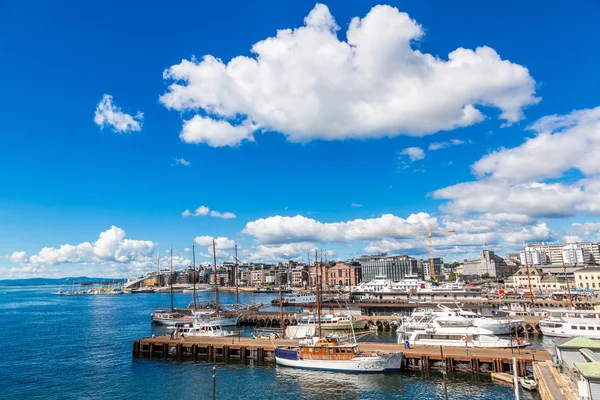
(215, 275)
(237, 286)
(318, 293)
(158, 269)
(281, 309)
(194, 274)
(528, 276)
(567, 281)
(171, 280)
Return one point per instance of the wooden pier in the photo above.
(420, 358)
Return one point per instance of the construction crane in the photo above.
(429, 233)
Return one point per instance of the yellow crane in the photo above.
(429, 233)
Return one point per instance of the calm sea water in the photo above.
(79, 347)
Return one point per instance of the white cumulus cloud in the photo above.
(111, 247)
(215, 133)
(280, 230)
(414, 153)
(308, 84)
(108, 114)
(561, 143)
(204, 211)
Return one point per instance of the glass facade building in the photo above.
(395, 268)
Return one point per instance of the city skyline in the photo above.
(288, 127)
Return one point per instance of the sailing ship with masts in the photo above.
(331, 353)
(211, 312)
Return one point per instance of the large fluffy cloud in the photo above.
(532, 199)
(279, 229)
(516, 180)
(108, 114)
(221, 244)
(111, 247)
(562, 142)
(281, 237)
(308, 84)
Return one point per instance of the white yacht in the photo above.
(334, 321)
(523, 310)
(453, 334)
(497, 326)
(570, 323)
(200, 330)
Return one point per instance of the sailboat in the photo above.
(171, 316)
(331, 354)
(216, 315)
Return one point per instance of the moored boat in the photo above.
(327, 353)
(528, 383)
(439, 332)
(571, 323)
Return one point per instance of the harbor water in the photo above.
(79, 347)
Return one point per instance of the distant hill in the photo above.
(57, 281)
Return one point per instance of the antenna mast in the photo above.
(215, 275)
(171, 280)
(194, 274)
(318, 293)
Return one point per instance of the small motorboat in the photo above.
(528, 383)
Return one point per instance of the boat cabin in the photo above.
(328, 348)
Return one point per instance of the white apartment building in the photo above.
(574, 254)
(534, 257)
(543, 253)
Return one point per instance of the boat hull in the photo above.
(368, 364)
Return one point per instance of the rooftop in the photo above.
(581, 342)
(589, 370)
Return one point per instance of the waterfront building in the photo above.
(438, 264)
(520, 279)
(487, 263)
(542, 253)
(394, 268)
(533, 256)
(342, 274)
(588, 278)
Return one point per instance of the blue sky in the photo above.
(326, 129)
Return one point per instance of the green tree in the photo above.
(485, 276)
(451, 276)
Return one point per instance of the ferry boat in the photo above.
(299, 299)
(201, 330)
(334, 322)
(497, 326)
(327, 353)
(522, 310)
(570, 323)
(450, 333)
(381, 284)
